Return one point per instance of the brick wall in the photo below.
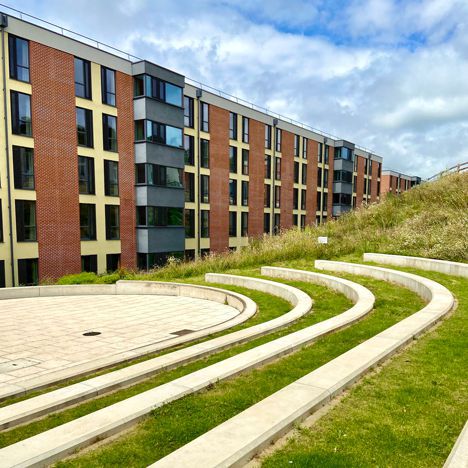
(256, 177)
(124, 89)
(55, 161)
(219, 179)
(287, 179)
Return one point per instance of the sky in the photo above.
(389, 75)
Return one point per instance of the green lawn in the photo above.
(179, 422)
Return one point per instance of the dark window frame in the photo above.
(88, 133)
(245, 129)
(90, 228)
(26, 232)
(112, 222)
(18, 123)
(13, 59)
(23, 179)
(109, 142)
(89, 181)
(109, 97)
(111, 178)
(86, 85)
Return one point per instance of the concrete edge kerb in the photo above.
(244, 435)
(431, 264)
(246, 307)
(458, 457)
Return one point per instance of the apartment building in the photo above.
(111, 162)
(396, 183)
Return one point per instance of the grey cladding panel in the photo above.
(161, 239)
(158, 72)
(160, 196)
(159, 154)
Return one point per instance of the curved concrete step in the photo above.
(237, 440)
(458, 457)
(27, 410)
(243, 304)
(431, 264)
(60, 441)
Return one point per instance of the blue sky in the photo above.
(390, 75)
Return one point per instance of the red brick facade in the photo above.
(256, 177)
(287, 179)
(124, 89)
(219, 179)
(55, 161)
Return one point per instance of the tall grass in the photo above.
(430, 220)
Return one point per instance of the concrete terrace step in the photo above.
(243, 304)
(58, 442)
(458, 457)
(441, 266)
(27, 410)
(237, 440)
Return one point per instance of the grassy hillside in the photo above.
(429, 221)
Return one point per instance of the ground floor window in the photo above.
(28, 271)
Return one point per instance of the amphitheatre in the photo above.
(288, 353)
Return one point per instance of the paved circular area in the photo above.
(43, 334)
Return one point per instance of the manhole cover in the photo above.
(185, 331)
(91, 333)
(17, 364)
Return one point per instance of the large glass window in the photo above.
(23, 167)
(327, 153)
(173, 136)
(188, 112)
(232, 224)
(277, 196)
(232, 159)
(304, 174)
(89, 263)
(296, 145)
(232, 192)
(25, 220)
(245, 129)
(173, 94)
(244, 224)
(18, 51)
(295, 199)
(304, 147)
(232, 126)
(267, 196)
(245, 162)
(278, 139)
(87, 221)
(82, 78)
(205, 223)
(189, 187)
(108, 86)
(21, 121)
(303, 199)
(245, 193)
(189, 150)
(268, 136)
(266, 223)
(189, 223)
(155, 132)
(343, 176)
(84, 127)
(158, 216)
(205, 188)
(344, 153)
(109, 132)
(28, 271)
(341, 199)
(86, 175)
(205, 153)
(277, 168)
(267, 166)
(111, 178)
(112, 262)
(154, 174)
(296, 172)
(150, 86)
(112, 222)
(204, 117)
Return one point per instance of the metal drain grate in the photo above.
(91, 333)
(185, 331)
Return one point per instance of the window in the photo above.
(205, 188)
(276, 224)
(89, 263)
(296, 145)
(84, 127)
(205, 153)
(205, 223)
(327, 152)
(304, 174)
(154, 174)
(23, 167)
(232, 224)
(277, 196)
(21, 121)
(2, 274)
(189, 224)
(295, 199)
(268, 136)
(87, 221)
(304, 147)
(86, 175)
(109, 132)
(267, 196)
(354, 183)
(108, 86)
(204, 117)
(112, 262)
(232, 192)
(146, 261)
(28, 271)
(267, 166)
(379, 170)
(343, 176)
(278, 139)
(112, 222)
(245, 193)
(25, 220)
(341, 199)
(82, 78)
(1, 228)
(303, 199)
(245, 129)
(296, 172)
(111, 178)
(277, 168)
(320, 152)
(244, 224)
(325, 201)
(173, 94)
(325, 178)
(319, 201)
(232, 159)
(303, 221)
(319, 177)
(189, 187)
(294, 220)
(366, 166)
(155, 132)
(18, 51)
(266, 223)
(232, 126)
(344, 153)
(158, 216)
(188, 112)
(150, 86)
(245, 162)
(189, 150)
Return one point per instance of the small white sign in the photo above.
(323, 240)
